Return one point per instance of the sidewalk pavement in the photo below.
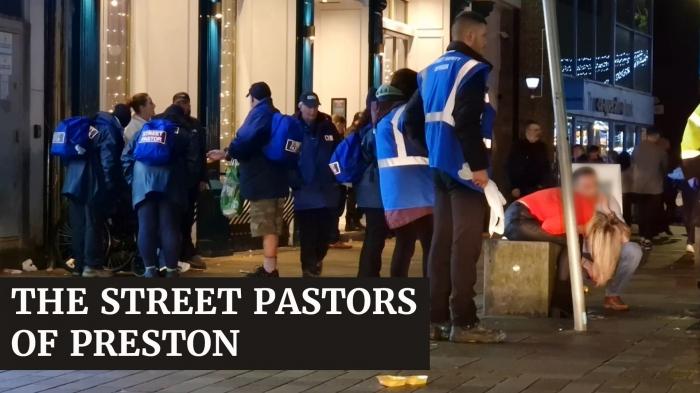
(646, 350)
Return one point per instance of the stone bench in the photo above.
(518, 277)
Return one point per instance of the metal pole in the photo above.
(564, 155)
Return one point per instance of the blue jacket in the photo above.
(317, 187)
(453, 91)
(367, 189)
(97, 178)
(405, 177)
(171, 181)
(260, 178)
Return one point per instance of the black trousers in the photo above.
(339, 212)
(520, 224)
(690, 209)
(188, 249)
(376, 233)
(650, 214)
(315, 233)
(353, 215)
(87, 223)
(406, 236)
(458, 216)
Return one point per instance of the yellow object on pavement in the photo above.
(394, 381)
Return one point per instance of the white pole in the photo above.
(564, 156)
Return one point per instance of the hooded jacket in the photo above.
(97, 178)
(259, 177)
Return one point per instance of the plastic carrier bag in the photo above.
(231, 200)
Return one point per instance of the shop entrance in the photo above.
(13, 138)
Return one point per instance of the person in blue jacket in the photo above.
(316, 195)
(263, 182)
(159, 195)
(450, 108)
(92, 185)
(368, 194)
(405, 177)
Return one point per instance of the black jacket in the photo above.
(528, 166)
(469, 107)
(192, 155)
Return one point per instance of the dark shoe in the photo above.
(476, 334)
(310, 273)
(340, 245)
(172, 273)
(615, 303)
(92, 272)
(197, 263)
(151, 272)
(561, 313)
(261, 272)
(440, 331)
(77, 272)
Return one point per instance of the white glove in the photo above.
(496, 201)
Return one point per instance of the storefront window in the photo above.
(585, 40)
(228, 69)
(397, 10)
(634, 14)
(601, 131)
(567, 35)
(114, 53)
(395, 55)
(604, 40)
(623, 57)
(618, 140)
(642, 62)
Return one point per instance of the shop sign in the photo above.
(612, 106)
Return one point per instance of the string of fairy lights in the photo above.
(228, 65)
(115, 52)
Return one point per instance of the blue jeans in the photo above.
(630, 256)
(87, 223)
(159, 228)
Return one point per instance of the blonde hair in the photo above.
(605, 235)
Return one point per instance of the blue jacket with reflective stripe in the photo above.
(439, 85)
(404, 175)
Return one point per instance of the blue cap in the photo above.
(309, 99)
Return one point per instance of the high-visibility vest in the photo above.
(404, 176)
(439, 84)
(690, 144)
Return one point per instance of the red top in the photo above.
(546, 206)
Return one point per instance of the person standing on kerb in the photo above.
(446, 114)
(263, 182)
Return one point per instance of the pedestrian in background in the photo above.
(336, 242)
(144, 109)
(452, 99)
(263, 183)
(316, 196)
(528, 164)
(189, 251)
(369, 197)
(649, 167)
(353, 215)
(577, 153)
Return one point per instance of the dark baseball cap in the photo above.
(309, 99)
(259, 91)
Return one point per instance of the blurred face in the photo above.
(185, 105)
(149, 110)
(577, 152)
(587, 186)
(374, 111)
(594, 154)
(340, 126)
(308, 113)
(533, 133)
(475, 37)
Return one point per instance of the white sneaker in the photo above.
(689, 248)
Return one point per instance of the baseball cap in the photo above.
(387, 93)
(309, 99)
(259, 91)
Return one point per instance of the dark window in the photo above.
(642, 63)
(625, 12)
(604, 28)
(586, 40)
(623, 57)
(11, 8)
(642, 15)
(567, 43)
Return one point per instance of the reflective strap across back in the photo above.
(446, 114)
(402, 158)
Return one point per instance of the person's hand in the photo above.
(480, 178)
(203, 186)
(515, 193)
(216, 155)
